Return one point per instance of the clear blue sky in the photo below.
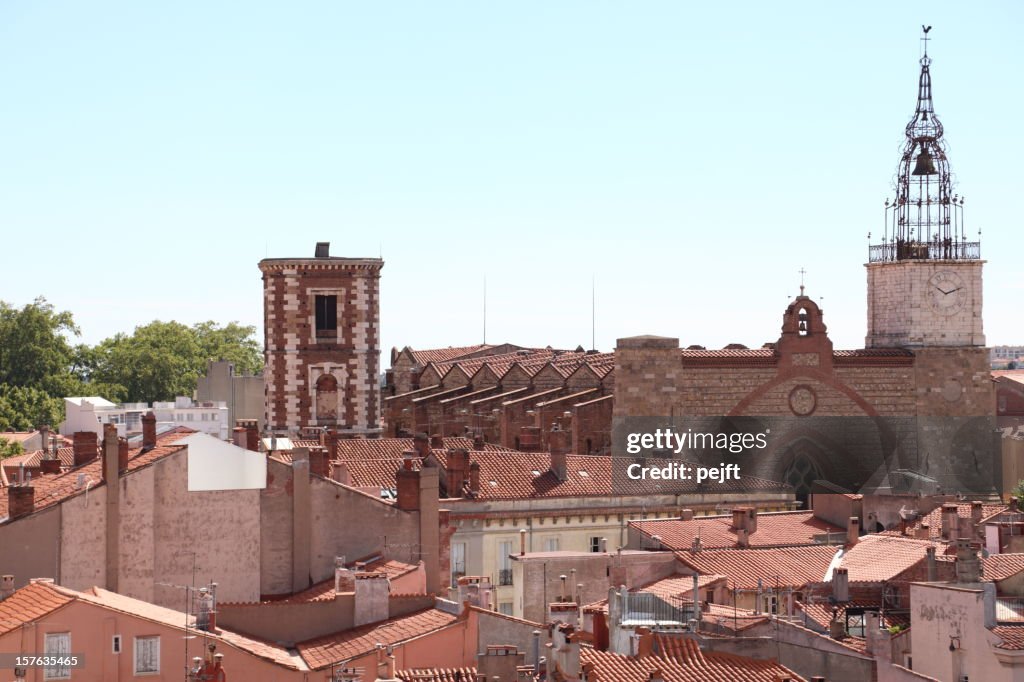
(692, 157)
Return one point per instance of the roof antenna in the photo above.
(593, 313)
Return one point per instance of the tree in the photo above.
(34, 350)
(9, 448)
(24, 408)
(162, 360)
(233, 342)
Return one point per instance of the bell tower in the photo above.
(924, 277)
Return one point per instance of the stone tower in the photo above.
(924, 278)
(322, 343)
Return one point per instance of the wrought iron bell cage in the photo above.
(924, 221)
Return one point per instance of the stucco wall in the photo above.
(28, 548)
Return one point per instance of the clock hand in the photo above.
(947, 293)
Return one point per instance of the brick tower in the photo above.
(321, 319)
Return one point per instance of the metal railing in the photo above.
(933, 250)
(505, 576)
(644, 607)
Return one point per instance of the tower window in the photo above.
(326, 316)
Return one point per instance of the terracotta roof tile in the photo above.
(30, 603)
(511, 474)
(682, 661)
(1011, 636)
(673, 586)
(51, 489)
(323, 651)
(324, 590)
(422, 357)
(934, 520)
(1001, 566)
(791, 566)
(877, 558)
(437, 675)
(774, 529)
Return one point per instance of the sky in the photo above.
(680, 161)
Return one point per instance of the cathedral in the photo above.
(912, 410)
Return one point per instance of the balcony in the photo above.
(505, 576)
(933, 250)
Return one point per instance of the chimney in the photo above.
(319, 461)
(371, 598)
(559, 441)
(933, 570)
(686, 515)
(239, 436)
(968, 566)
(644, 642)
(458, 468)
(341, 473)
(558, 465)
(344, 578)
(977, 510)
(436, 442)
(49, 465)
(853, 530)
(478, 441)
(841, 585)
(737, 518)
(522, 543)
(122, 455)
(949, 522)
(421, 444)
(21, 500)
(110, 452)
(6, 586)
(44, 438)
(742, 538)
(329, 441)
(148, 431)
(836, 627)
(252, 435)
(924, 531)
(474, 478)
(407, 483)
(84, 446)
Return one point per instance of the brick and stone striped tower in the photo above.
(322, 343)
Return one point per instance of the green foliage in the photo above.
(39, 365)
(162, 360)
(25, 408)
(1018, 492)
(9, 448)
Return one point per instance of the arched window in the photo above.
(327, 398)
(801, 474)
(803, 317)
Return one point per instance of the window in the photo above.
(115, 644)
(505, 607)
(550, 544)
(458, 561)
(504, 563)
(595, 544)
(147, 655)
(57, 644)
(326, 316)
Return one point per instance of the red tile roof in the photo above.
(437, 675)
(673, 586)
(790, 567)
(509, 474)
(422, 357)
(934, 520)
(1011, 636)
(323, 651)
(31, 460)
(683, 661)
(774, 529)
(51, 489)
(1001, 566)
(324, 590)
(877, 558)
(30, 603)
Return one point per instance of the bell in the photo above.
(924, 166)
(803, 326)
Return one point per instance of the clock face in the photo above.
(946, 292)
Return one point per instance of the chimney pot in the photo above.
(686, 515)
(6, 586)
(436, 441)
(853, 530)
(149, 430)
(84, 445)
(20, 500)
